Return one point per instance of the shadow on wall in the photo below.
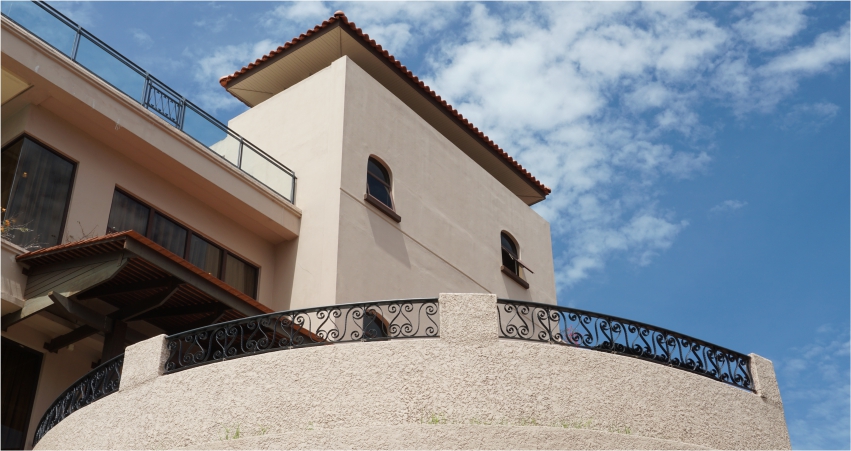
(285, 267)
(389, 238)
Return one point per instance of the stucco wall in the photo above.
(452, 211)
(303, 127)
(325, 128)
(466, 389)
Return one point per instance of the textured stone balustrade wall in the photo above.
(467, 389)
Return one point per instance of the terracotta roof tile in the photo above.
(339, 15)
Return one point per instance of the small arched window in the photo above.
(511, 264)
(379, 189)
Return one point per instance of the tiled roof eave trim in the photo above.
(340, 19)
(130, 234)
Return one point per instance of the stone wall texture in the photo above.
(467, 389)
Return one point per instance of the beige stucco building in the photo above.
(131, 215)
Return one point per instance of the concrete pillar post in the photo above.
(764, 380)
(143, 361)
(468, 318)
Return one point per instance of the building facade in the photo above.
(131, 214)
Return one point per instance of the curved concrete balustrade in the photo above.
(467, 389)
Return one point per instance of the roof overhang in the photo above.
(337, 37)
(135, 277)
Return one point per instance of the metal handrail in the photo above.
(523, 320)
(165, 102)
(102, 381)
(364, 321)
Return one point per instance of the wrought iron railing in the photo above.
(91, 53)
(368, 321)
(566, 326)
(101, 381)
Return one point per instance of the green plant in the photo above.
(529, 422)
(617, 430)
(435, 418)
(577, 424)
(232, 436)
(9, 229)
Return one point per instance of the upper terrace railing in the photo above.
(85, 49)
(368, 321)
(99, 382)
(566, 326)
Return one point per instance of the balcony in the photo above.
(99, 59)
(461, 371)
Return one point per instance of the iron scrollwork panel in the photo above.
(300, 328)
(572, 327)
(98, 383)
(160, 99)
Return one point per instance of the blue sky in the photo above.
(698, 153)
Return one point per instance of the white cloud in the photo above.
(728, 205)
(291, 13)
(209, 68)
(588, 97)
(770, 25)
(143, 39)
(83, 13)
(814, 384)
(215, 25)
(809, 116)
(829, 48)
(401, 26)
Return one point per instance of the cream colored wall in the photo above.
(452, 211)
(466, 389)
(101, 168)
(303, 126)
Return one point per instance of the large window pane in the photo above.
(205, 256)
(169, 235)
(241, 275)
(38, 196)
(110, 68)
(11, 155)
(211, 135)
(127, 214)
(42, 24)
(378, 190)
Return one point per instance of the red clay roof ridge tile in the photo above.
(341, 16)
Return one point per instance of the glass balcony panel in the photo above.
(108, 67)
(211, 135)
(42, 24)
(257, 166)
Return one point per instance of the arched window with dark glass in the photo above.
(378, 182)
(511, 264)
(379, 188)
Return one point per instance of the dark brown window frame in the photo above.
(372, 200)
(513, 274)
(73, 177)
(190, 232)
